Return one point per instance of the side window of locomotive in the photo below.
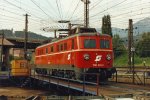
(41, 52)
(72, 47)
(104, 44)
(61, 47)
(52, 49)
(65, 46)
(38, 52)
(57, 48)
(46, 51)
(89, 43)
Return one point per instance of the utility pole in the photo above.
(55, 34)
(86, 13)
(69, 29)
(2, 40)
(131, 49)
(26, 36)
(130, 34)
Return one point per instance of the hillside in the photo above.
(121, 32)
(31, 35)
(8, 33)
(20, 34)
(139, 28)
(143, 25)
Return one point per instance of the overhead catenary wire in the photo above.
(109, 8)
(33, 10)
(42, 10)
(127, 9)
(14, 14)
(58, 10)
(67, 14)
(52, 8)
(22, 9)
(74, 10)
(106, 9)
(136, 12)
(97, 3)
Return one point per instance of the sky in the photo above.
(45, 14)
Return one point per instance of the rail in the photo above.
(138, 67)
(30, 98)
(140, 76)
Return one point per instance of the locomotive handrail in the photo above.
(68, 85)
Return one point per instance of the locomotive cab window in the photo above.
(88, 30)
(89, 43)
(104, 44)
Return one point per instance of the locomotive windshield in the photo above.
(89, 43)
(89, 30)
(104, 44)
(82, 30)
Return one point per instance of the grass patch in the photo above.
(123, 60)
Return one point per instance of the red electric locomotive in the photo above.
(85, 50)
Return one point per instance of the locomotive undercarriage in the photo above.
(102, 73)
(90, 74)
(55, 72)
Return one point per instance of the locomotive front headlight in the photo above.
(108, 57)
(86, 56)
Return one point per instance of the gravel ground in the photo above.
(14, 91)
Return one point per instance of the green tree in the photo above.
(106, 25)
(143, 46)
(118, 46)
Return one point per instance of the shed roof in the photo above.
(5, 42)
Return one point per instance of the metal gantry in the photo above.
(86, 13)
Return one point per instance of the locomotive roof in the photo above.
(77, 34)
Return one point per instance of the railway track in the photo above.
(136, 68)
(120, 90)
(109, 88)
(33, 98)
(127, 87)
(141, 75)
